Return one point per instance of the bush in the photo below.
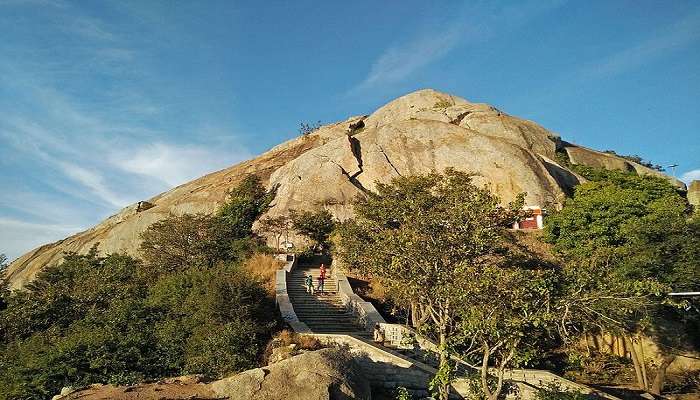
(315, 225)
(442, 104)
(553, 391)
(105, 319)
(305, 129)
(684, 381)
(264, 267)
(402, 393)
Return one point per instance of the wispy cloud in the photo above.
(17, 236)
(676, 36)
(94, 182)
(79, 129)
(175, 164)
(399, 62)
(477, 23)
(692, 175)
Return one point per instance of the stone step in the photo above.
(338, 330)
(339, 325)
(316, 297)
(318, 304)
(319, 311)
(320, 295)
(311, 304)
(328, 318)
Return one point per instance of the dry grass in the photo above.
(283, 339)
(304, 342)
(263, 266)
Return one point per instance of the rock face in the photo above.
(327, 374)
(416, 133)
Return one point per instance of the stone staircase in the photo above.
(322, 313)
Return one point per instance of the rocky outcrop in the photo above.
(327, 374)
(416, 133)
(597, 159)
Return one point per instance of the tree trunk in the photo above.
(414, 314)
(635, 362)
(658, 385)
(444, 389)
(643, 363)
(485, 372)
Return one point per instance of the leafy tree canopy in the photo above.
(638, 224)
(188, 308)
(315, 225)
(627, 240)
(439, 243)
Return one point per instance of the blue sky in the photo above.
(106, 103)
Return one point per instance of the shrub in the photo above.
(305, 128)
(553, 391)
(402, 393)
(105, 319)
(315, 225)
(442, 104)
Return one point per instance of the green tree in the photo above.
(199, 308)
(108, 319)
(628, 239)
(315, 225)
(438, 243)
(246, 202)
(190, 240)
(179, 242)
(277, 226)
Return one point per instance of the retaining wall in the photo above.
(365, 313)
(282, 297)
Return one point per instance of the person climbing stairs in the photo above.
(322, 312)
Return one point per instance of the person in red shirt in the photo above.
(321, 278)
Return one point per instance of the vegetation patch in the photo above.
(189, 306)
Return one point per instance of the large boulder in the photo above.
(420, 132)
(328, 374)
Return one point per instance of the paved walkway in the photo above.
(322, 312)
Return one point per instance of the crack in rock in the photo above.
(459, 118)
(381, 150)
(352, 178)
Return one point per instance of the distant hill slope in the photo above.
(416, 133)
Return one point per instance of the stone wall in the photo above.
(384, 368)
(282, 297)
(364, 311)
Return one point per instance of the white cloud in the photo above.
(175, 164)
(474, 23)
(93, 181)
(17, 236)
(692, 175)
(398, 62)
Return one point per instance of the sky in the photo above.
(105, 103)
